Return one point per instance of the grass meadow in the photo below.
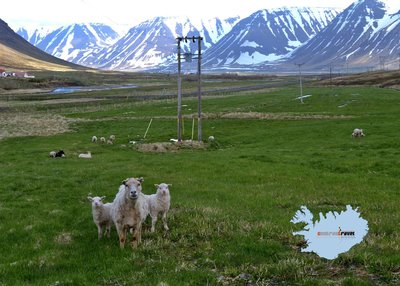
(231, 202)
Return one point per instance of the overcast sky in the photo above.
(129, 12)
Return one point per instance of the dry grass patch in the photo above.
(24, 124)
(163, 147)
(272, 116)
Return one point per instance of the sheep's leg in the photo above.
(108, 230)
(153, 223)
(122, 236)
(164, 218)
(137, 235)
(99, 231)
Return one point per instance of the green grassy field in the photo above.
(231, 203)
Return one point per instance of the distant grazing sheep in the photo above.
(129, 208)
(101, 215)
(87, 155)
(357, 133)
(110, 142)
(55, 154)
(94, 139)
(159, 203)
(112, 138)
(102, 140)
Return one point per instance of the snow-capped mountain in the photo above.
(267, 35)
(367, 33)
(78, 43)
(153, 43)
(34, 36)
(364, 34)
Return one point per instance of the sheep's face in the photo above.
(133, 186)
(96, 201)
(162, 189)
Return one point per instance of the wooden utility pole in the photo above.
(199, 125)
(188, 57)
(179, 93)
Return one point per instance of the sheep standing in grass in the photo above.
(87, 155)
(128, 210)
(358, 133)
(112, 138)
(94, 139)
(159, 203)
(102, 140)
(101, 215)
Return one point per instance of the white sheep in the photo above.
(129, 210)
(112, 138)
(357, 133)
(159, 203)
(110, 142)
(102, 140)
(101, 215)
(94, 138)
(87, 155)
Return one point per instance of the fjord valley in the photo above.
(277, 138)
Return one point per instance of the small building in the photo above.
(4, 73)
(23, 75)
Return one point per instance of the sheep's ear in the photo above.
(140, 179)
(103, 197)
(90, 199)
(124, 181)
(156, 185)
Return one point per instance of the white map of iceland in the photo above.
(332, 234)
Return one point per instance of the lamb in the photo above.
(110, 142)
(129, 210)
(87, 155)
(55, 154)
(101, 215)
(94, 138)
(112, 138)
(159, 203)
(102, 140)
(357, 133)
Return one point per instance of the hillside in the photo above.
(16, 53)
(389, 79)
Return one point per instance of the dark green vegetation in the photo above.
(231, 203)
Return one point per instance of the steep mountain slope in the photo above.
(17, 53)
(78, 43)
(153, 43)
(267, 35)
(365, 34)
